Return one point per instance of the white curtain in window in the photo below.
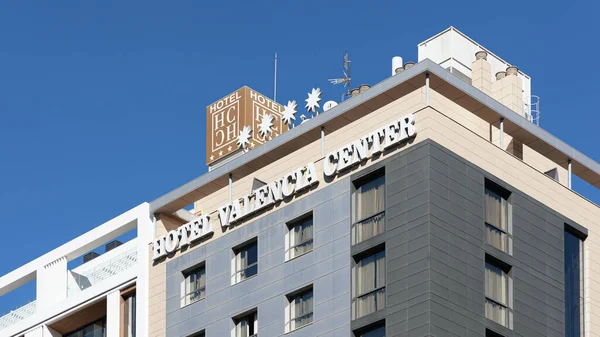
(369, 199)
(496, 209)
(495, 237)
(370, 276)
(369, 228)
(495, 312)
(496, 284)
(303, 308)
(195, 285)
(246, 262)
(301, 238)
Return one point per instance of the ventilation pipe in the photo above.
(500, 75)
(512, 70)
(354, 92)
(363, 88)
(396, 65)
(481, 55)
(408, 65)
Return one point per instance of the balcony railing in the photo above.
(102, 271)
(17, 315)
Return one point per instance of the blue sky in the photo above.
(102, 103)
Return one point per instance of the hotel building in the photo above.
(430, 204)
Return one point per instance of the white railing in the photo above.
(17, 315)
(101, 272)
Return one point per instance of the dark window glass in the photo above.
(378, 332)
(95, 329)
(573, 285)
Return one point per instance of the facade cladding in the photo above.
(433, 278)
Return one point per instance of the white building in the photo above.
(107, 295)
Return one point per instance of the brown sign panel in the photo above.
(227, 116)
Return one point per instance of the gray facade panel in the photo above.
(327, 268)
(435, 259)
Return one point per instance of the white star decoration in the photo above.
(312, 102)
(244, 137)
(265, 125)
(289, 113)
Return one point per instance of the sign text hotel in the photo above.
(373, 143)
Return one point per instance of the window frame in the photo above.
(237, 251)
(506, 233)
(357, 183)
(508, 306)
(356, 296)
(290, 318)
(239, 318)
(186, 275)
(299, 221)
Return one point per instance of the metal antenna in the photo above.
(346, 79)
(275, 80)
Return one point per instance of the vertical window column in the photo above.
(369, 283)
(574, 303)
(498, 217)
(368, 207)
(498, 292)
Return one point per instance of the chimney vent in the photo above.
(481, 55)
(500, 75)
(90, 256)
(363, 88)
(512, 70)
(396, 65)
(408, 65)
(112, 245)
(354, 92)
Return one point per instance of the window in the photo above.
(498, 286)
(193, 287)
(368, 207)
(573, 284)
(498, 214)
(95, 329)
(129, 312)
(246, 325)
(245, 262)
(300, 237)
(369, 288)
(372, 330)
(300, 309)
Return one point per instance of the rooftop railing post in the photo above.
(502, 133)
(570, 173)
(322, 141)
(427, 88)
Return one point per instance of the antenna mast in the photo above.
(275, 81)
(347, 77)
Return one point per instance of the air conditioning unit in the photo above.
(90, 256)
(112, 245)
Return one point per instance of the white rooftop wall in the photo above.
(453, 49)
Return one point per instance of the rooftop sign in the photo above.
(242, 109)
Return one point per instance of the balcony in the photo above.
(17, 315)
(98, 271)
